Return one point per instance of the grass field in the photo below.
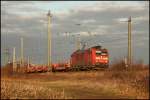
(112, 83)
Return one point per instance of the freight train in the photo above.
(95, 57)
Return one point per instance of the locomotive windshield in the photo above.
(98, 52)
(104, 53)
(101, 53)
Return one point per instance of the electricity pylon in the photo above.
(14, 60)
(49, 41)
(22, 58)
(6, 55)
(78, 42)
(129, 42)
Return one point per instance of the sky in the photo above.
(95, 22)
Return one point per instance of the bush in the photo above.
(7, 70)
(120, 65)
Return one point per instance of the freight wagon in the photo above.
(36, 68)
(60, 67)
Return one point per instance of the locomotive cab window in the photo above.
(98, 52)
(104, 53)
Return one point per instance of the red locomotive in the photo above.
(92, 58)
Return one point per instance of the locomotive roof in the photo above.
(98, 47)
(82, 50)
(79, 50)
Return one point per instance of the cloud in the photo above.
(109, 5)
(62, 15)
(141, 18)
(88, 21)
(64, 19)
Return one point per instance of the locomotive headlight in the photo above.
(105, 58)
(97, 57)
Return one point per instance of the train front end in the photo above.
(100, 57)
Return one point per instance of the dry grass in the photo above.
(116, 82)
(18, 89)
(133, 80)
